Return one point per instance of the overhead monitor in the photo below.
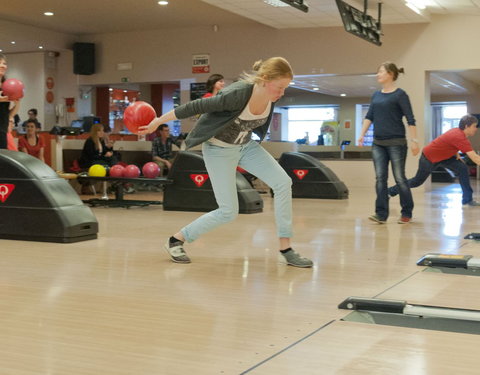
(360, 23)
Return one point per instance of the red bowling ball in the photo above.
(138, 114)
(117, 170)
(151, 170)
(131, 171)
(13, 88)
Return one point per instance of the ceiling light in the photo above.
(12, 42)
(316, 89)
(40, 47)
(48, 13)
(419, 4)
(275, 3)
(413, 7)
(1, 50)
(163, 2)
(343, 94)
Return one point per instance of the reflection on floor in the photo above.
(117, 305)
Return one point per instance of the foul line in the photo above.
(287, 348)
(394, 285)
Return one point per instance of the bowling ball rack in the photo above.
(117, 183)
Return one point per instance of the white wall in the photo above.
(447, 43)
(30, 69)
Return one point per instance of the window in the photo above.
(361, 111)
(446, 116)
(306, 121)
(451, 115)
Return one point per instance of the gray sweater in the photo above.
(218, 111)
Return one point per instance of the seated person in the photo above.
(96, 150)
(162, 148)
(32, 115)
(31, 143)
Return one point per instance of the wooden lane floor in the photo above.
(117, 305)
(346, 348)
(437, 289)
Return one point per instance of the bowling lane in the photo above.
(348, 348)
(437, 289)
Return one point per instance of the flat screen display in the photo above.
(358, 23)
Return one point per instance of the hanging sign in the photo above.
(201, 63)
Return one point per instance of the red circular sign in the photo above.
(49, 97)
(50, 83)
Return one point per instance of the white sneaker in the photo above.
(176, 252)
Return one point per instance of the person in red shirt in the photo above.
(215, 83)
(31, 143)
(11, 145)
(443, 151)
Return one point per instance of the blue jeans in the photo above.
(397, 155)
(221, 163)
(425, 168)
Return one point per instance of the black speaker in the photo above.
(84, 58)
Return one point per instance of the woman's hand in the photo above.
(150, 128)
(4, 99)
(360, 141)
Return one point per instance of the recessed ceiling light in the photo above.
(12, 42)
(316, 89)
(419, 4)
(163, 2)
(48, 13)
(275, 3)
(40, 47)
(413, 7)
(343, 94)
(1, 50)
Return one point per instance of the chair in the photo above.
(75, 167)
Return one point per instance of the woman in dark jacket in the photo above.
(387, 109)
(95, 150)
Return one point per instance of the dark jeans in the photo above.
(425, 168)
(397, 155)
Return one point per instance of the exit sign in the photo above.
(201, 63)
(124, 79)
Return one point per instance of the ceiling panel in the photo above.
(108, 16)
